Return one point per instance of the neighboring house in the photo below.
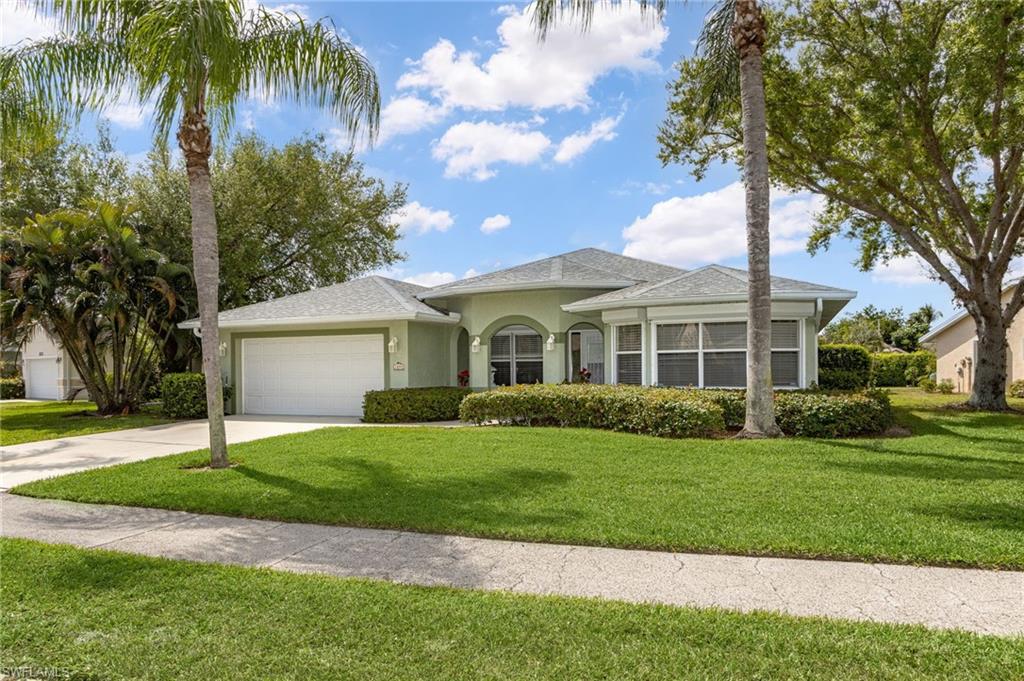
(624, 320)
(955, 342)
(48, 373)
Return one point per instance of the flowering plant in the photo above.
(463, 378)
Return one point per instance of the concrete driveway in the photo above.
(37, 460)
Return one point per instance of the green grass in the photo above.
(951, 494)
(33, 421)
(116, 616)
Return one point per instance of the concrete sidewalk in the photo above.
(982, 601)
(37, 460)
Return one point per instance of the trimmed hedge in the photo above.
(184, 395)
(894, 369)
(1017, 389)
(664, 412)
(843, 367)
(408, 405)
(818, 414)
(12, 388)
(675, 412)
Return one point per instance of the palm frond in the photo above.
(547, 13)
(719, 61)
(309, 64)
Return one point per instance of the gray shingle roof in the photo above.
(711, 282)
(372, 297)
(585, 268)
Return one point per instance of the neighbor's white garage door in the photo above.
(42, 374)
(310, 376)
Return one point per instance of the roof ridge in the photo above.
(651, 285)
(598, 268)
(728, 271)
(384, 283)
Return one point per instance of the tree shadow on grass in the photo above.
(965, 469)
(992, 516)
(375, 493)
(978, 424)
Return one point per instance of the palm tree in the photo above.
(730, 51)
(193, 60)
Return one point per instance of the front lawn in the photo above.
(949, 495)
(105, 615)
(32, 421)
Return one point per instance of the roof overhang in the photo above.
(281, 322)
(525, 286)
(585, 306)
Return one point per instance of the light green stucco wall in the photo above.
(429, 362)
(485, 314)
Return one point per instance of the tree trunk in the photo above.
(988, 387)
(195, 141)
(748, 34)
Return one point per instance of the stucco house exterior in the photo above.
(621, 319)
(955, 342)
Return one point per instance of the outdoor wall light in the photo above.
(550, 345)
(393, 344)
(475, 345)
(223, 347)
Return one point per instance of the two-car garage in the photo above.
(310, 375)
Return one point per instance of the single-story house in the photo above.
(46, 368)
(621, 319)
(955, 342)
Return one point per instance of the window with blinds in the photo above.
(517, 356)
(629, 361)
(714, 354)
(786, 353)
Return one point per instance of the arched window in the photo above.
(517, 356)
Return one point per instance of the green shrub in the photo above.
(12, 388)
(818, 414)
(1016, 389)
(9, 369)
(184, 395)
(408, 405)
(945, 386)
(843, 367)
(893, 369)
(664, 412)
(927, 384)
(733, 404)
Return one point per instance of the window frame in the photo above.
(701, 351)
(513, 356)
(616, 352)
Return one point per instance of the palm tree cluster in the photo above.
(86, 278)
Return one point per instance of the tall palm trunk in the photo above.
(195, 141)
(748, 34)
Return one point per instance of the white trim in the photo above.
(810, 296)
(963, 314)
(451, 318)
(642, 352)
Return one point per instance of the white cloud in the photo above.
(526, 72)
(905, 271)
(579, 142)
(495, 223)
(469, 149)
(430, 279)
(712, 227)
(19, 21)
(127, 114)
(420, 219)
(408, 114)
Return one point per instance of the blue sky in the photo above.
(513, 150)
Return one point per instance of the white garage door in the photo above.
(42, 374)
(310, 376)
